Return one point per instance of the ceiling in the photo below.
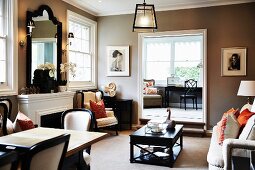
(117, 7)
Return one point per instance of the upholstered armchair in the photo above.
(95, 97)
(152, 97)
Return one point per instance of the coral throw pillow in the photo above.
(98, 108)
(228, 127)
(22, 122)
(244, 116)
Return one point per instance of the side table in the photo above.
(123, 109)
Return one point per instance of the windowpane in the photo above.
(1, 18)
(2, 71)
(158, 51)
(187, 51)
(157, 70)
(179, 56)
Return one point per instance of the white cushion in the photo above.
(108, 121)
(77, 120)
(9, 127)
(246, 106)
(249, 130)
(214, 156)
(86, 157)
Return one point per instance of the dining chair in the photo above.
(46, 155)
(8, 160)
(83, 101)
(190, 92)
(79, 119)
(5, 113)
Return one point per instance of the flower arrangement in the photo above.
(64, 69)
(48, 66)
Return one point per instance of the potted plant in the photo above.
(66, 68)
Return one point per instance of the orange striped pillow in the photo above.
(228, 127)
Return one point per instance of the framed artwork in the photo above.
(233, 61)
(117, 60)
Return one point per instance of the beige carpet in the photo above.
(112, 153)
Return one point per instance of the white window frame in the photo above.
(172, 59)
(80, 85)
(11, 85)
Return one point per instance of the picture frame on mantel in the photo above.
(117, 60)
(233, 61)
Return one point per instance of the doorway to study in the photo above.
(169, 59)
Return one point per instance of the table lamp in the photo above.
(247, 88)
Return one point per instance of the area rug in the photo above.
(112, 153)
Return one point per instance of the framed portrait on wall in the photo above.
(233, 61)
(117, 60)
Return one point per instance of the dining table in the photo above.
(79, 140)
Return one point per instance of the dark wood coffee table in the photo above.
(156, 149)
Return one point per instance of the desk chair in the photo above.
(189, 92)
(8, 161)
(46, 155)
(79, 119)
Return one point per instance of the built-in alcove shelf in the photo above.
(37, 105)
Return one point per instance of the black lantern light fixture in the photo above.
(145, 18)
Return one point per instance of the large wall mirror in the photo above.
(44, 41)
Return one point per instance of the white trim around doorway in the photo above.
(142, 36)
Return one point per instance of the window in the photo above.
(174, 56)
(8, 48)
(82, 51)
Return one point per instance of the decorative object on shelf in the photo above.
(170, 123)
(247, 88)
(48, 66)
(64, 69)
(62, 88)
(110, 89)
(30, 90)
(233, 61)
(43, 79)
(117, 60)
(145, 18)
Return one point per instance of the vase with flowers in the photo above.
(66, 68)
(44, 77)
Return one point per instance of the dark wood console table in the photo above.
(123, 109)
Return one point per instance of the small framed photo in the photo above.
(233, 61)
(117, 60)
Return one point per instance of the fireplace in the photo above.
(45, 109)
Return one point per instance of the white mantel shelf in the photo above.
(37, 105)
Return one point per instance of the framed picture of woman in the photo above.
(233, 61)
(117, 60)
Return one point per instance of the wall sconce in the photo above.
(145, 18)
(31, 25)
(70, 35)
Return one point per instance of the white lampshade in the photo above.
(246, 88)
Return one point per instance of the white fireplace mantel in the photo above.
(37, 105)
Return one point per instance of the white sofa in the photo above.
(220, 157)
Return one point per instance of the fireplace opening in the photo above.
(51, 120)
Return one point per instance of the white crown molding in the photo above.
(163, 7)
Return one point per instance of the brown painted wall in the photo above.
(227, 26)
(59, 9)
